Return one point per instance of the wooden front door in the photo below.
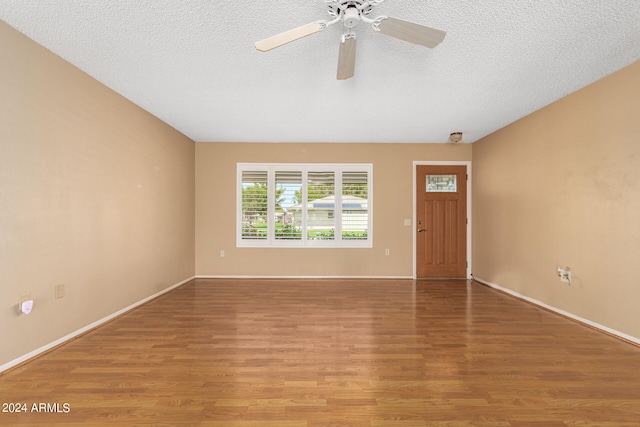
(441, 221)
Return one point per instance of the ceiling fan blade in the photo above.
(411, 32)
(289, 36)
(347, 58)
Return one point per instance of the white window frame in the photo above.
(304, 242)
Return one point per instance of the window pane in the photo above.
(288, 205)
(254, 205)
(321, 205)
(442, 183)
(355, 205)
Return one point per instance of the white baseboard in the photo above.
(87, 328)
(298, 277)
(587, 322)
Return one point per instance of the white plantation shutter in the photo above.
(305, 205)
(288, 184)
(321, 221)
(355, 205)
(254, 188)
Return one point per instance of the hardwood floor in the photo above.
(314, 353)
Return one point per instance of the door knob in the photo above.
(420, 230)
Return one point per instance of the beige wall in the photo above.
(95, 194)
(393, 202)
(562, 187)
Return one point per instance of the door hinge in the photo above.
(467, 177)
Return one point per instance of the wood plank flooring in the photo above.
(315, 353)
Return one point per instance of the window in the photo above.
(442, 184)
(309, 205)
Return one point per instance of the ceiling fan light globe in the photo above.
(351, 17)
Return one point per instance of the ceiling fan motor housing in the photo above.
(350, 11)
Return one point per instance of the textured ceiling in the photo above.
(192, 63)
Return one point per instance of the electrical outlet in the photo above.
(565, 274)
(387, 252)
(59, 291)
(222, 253)
(23, 298)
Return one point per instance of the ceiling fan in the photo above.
(351, 13)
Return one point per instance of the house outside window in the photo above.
(308, 205)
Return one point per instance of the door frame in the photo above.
(417, 163)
